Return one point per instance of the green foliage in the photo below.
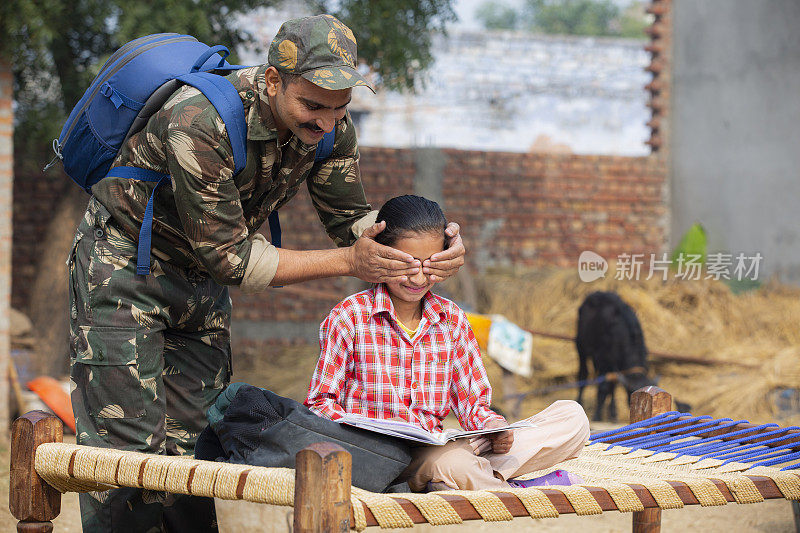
(633, 21)
(496, 16)
(567, 17)
(741, 286)
(573, 17)
(394, 36)
(694, 242)
(56, 47)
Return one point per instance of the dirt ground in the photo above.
(772, 517)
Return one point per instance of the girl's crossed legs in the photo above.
(560, 434)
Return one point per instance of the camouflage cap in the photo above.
(321, 49)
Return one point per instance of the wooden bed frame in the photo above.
(322, 481)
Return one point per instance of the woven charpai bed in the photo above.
(663, 462)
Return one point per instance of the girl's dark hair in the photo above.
(409, 213)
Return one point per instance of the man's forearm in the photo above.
(295, 266)
(366, 259)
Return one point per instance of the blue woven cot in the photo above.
(707, 437)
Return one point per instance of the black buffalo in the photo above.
(609, 334)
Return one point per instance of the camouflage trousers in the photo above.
(148, 356)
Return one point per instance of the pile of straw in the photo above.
(696, 318)
(700, 318)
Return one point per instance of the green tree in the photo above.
(497, 16)
(633, 21)
(57, 46)
(394, 36)
(567, 17)
(573, 17)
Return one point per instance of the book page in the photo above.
(394, 428)
(453, 434)
(407, 430)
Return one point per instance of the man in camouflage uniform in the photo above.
(150, 354)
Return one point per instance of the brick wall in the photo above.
(660, 88)
(515, 210)
(6, 180)
(529, 210)
(37, 197)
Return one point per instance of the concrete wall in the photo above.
(583, 95)
(6, 203)
(735, 127)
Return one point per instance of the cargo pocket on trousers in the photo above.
(107, 372)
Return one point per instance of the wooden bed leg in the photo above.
(32, 501)
(647, 402)
(322, 489)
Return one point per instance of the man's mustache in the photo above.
(311, 126)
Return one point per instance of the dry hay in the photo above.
(285, 370)
(700, 318)
(697, 318)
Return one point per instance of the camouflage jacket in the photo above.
(204, 219)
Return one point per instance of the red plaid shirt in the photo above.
(369, 366)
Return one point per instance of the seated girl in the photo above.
(399, 351)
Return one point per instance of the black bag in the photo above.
(249, 425)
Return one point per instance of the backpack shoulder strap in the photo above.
(324, 150)
(225, 99)
(325, 146)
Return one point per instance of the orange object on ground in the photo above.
(53, 395)
(480, 327)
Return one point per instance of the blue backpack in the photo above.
(131, 86)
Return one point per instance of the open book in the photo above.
(406, 430)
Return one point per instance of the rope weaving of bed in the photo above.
(666, 461)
